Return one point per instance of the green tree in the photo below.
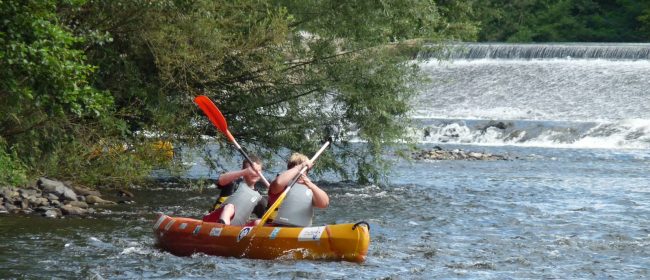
(644, 18)
(44, 81)
(53, 118)
(561, 20)
(283, 72)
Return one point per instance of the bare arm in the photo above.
(229, 177)
(285, 178)
(320, 199)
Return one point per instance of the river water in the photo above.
(572, 203)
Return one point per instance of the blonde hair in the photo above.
(295, 159)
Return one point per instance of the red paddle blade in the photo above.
(213, 113)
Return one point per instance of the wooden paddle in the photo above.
(217, 119)
(293, 182)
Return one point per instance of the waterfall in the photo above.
(601, 100)
(618, 51)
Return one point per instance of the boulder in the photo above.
(23, 204)
(26, 193)
(92, 199)
(495, 124)
(52, 197)
(427, 132)
(3, 210)
(11, 208)
(79, 204)
(8, 193)
(475, 155)
(57, 188)
(38, 201)
(52, 213)
(72, 210)
(517, 134)
(84, 191)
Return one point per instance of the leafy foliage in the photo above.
(12, 171)
(88, 89)
(52, 115)
(84, 82)
(563, 20)
(284, 73)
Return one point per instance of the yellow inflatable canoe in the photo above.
(185, 236)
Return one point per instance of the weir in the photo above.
(600, 101)
(614, 51)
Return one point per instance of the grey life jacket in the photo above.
(244, 199)
(297, 208)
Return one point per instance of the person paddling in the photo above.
(297, 209)
(238, 199)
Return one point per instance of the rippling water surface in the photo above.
(551, 213)
(574, 203)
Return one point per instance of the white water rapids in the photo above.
(548, 102)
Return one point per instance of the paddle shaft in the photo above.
(219, 121)
(293, 182)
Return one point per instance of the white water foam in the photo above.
(626, 134)
(479, 113)
(555, 103)
(629, 134)
(136, 251)
(550, 89)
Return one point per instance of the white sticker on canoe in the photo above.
(311, 234)
(169, 225)
(243, 232)
(182, 226)
(216, 231)
(160, 220)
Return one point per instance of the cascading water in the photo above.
(613, 51)
(538, 95)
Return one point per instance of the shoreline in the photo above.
(55, 199)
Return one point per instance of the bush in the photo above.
(12, 170)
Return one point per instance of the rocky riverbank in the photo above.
(51, 199)
(437, 153)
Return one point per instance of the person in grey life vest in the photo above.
(297, 207)
(238, 199)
